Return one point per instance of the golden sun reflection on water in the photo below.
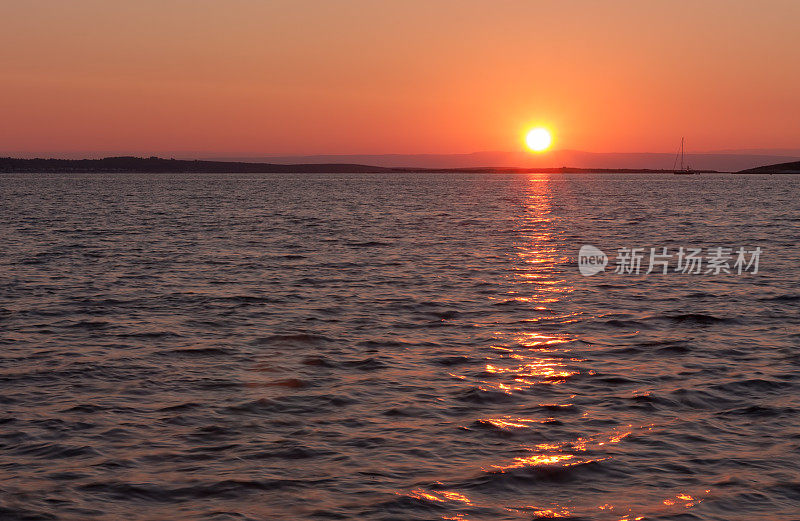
(559, 454)
(681, 500)
(550, 513)
(440, 496)
(531, 363)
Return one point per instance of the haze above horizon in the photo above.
(246, 79)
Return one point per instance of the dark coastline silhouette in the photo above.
(160, 165)
(792, 167)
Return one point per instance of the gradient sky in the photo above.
(248, 77)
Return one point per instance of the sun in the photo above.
(538, 139)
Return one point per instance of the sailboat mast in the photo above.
(682, 153)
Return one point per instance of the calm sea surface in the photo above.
(395, 347)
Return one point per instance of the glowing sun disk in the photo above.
(538, 139)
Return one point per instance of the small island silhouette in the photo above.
(792, 167)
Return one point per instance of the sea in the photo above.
(374, 347)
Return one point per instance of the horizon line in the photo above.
(234, 156)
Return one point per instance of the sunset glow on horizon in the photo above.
(356, 77)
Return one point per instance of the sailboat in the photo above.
(687, 170)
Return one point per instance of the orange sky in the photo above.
(248, 77)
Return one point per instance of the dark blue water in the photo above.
(402, 347)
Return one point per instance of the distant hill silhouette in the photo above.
(724, 161)
(159, 165)
(780, 168)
